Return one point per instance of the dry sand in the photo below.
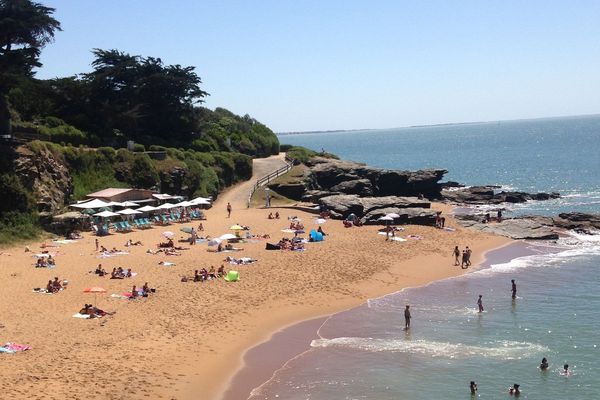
(187, 340)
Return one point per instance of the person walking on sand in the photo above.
(228, 210)
(464, 260)
(480, 304)
(513, 289)
(407, 317)
(97, 245)
(468, 251)
(456, 253)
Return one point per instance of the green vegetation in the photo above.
(301, 154)
(87, 120)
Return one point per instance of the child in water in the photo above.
(473, 387)
(514, 391)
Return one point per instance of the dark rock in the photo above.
(335, 175)
(361, 187)
(315, 195)
(415, 216)
(486, 195)
(578, 221)
(341, 206)
(292, 190)
(515, 229)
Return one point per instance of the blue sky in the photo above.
(316, 65)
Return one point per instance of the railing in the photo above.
(267, 178)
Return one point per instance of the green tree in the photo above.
(143, 172)
(25, 28)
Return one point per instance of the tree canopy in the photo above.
(25, 28)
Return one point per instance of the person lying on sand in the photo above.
(74, 235)
(171, 252)
(103, 249)
(132, 243)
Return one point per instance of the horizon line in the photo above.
(434, 125)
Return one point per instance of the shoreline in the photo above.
(258, 356)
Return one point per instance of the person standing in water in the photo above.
(473, 387)
(480, 304)
(514, 289)
(515, 391)
(407, 318)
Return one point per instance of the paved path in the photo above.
(238, 195)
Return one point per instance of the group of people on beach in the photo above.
(465, 260)
(271, 216)
(56, 285)
(45, 262)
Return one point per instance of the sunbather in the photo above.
(134, 292)
(221, 271)
(211, 272)
(99, 270)
(56, 285)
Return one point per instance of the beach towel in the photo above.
(232, 276)
(41, 290)
(14, 347)
(398, 239)
(415, 237)
(166, 263)
(120, 296)
(82, 316)
(64, 241)
(109, 254)
(448, 229)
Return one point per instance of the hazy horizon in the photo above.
(311, 65)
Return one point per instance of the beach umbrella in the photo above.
(166, 206)
(114, 203)
(129, 204)
(321, 221)
(184, 204)
(95, 203)
(200, 200)
(128, 211)
(147, 209)
(168, 234)
(227, 236)
(385, 218)
(94, 290)
(236, 227)
(186, 229)
(214, 242)
(106, 214)
(393, 215)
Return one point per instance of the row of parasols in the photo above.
(101, 204)
(212, 242)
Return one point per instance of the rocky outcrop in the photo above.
(291, 190)
(340, 206)
(581, 222)
(414, 216)
(487, 195)
(521, 228)
(46, 176)
(354, 178)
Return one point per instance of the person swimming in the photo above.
(514, 391)
(544, 364)
(565, 370)
(473, 387)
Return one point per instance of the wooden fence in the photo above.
(268, 178)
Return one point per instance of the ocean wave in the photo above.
(564, 251)
(504, 350)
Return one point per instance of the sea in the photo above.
(364, 353)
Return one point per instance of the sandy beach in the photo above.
(187, 340)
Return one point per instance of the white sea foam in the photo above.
(504, 350)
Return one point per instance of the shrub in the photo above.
(138, 148)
